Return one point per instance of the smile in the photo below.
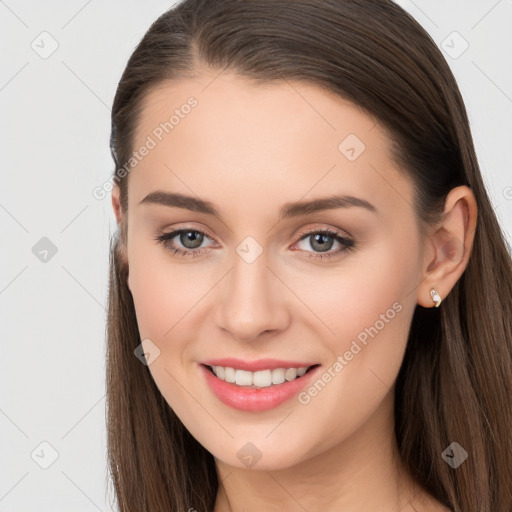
(259, 379)
(256, 391)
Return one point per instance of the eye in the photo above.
(192, 239)
(323, 240)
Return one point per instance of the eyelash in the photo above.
(347, 243)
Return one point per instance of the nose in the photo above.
(252, 301)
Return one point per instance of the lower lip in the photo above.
(255, 400)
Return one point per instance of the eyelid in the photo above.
(302, 232)
(347, 241)
(187, 227)
(322, 228)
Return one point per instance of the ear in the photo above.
(116, 203)
(122, 231)
(449, 246)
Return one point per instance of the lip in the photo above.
(256, 400)
(258, 365)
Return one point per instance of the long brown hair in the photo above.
(455, 383)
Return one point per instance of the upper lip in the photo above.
(258, 365)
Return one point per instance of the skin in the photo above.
(249, 149)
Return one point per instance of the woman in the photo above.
(310, 297)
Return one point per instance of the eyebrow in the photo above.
(289, 210)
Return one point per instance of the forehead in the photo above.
(219, 135)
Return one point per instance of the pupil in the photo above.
(191, 236)
(319, 237)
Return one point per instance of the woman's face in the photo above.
(251, 284)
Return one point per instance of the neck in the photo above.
(364, 472)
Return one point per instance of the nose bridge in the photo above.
(251, 303)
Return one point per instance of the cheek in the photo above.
(364, 309)
(163, 298)
(364, 312)
(157, 293)
(366, 290)
(169, 300)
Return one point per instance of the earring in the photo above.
(435, 297)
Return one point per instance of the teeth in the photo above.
(243, 378)
(278, 376)
(229, 374)
(260, 379)
(291, 373)
(301, 371)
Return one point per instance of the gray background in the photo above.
(55, 132)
